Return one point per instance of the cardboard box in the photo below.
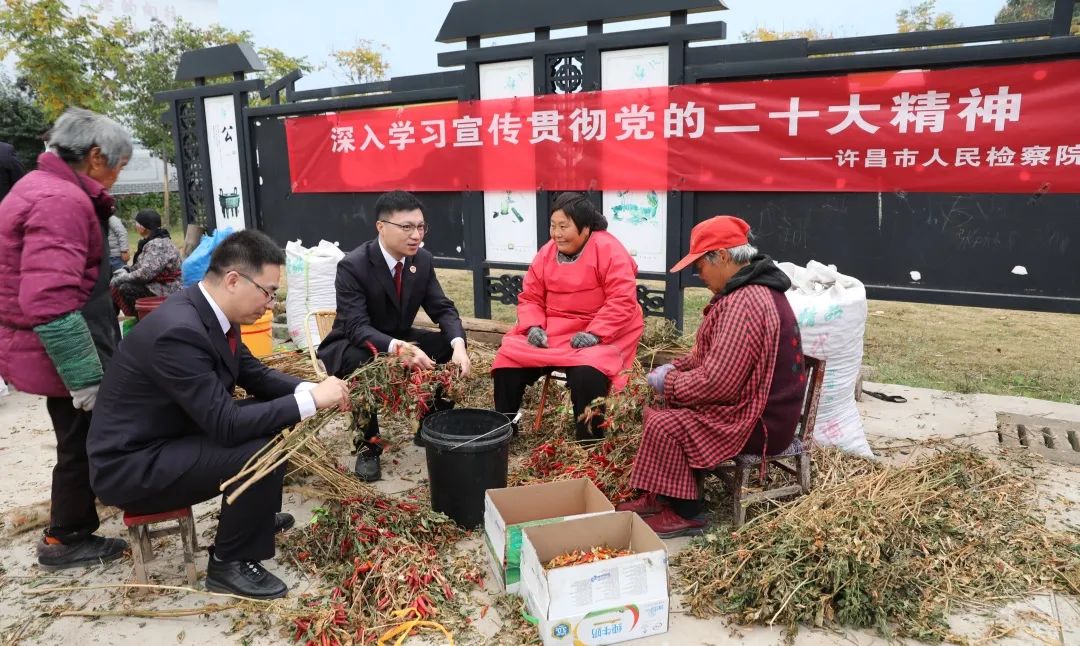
(606, 602)
(508, 511)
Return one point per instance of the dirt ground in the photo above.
(27, 454)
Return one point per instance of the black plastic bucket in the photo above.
(468, 450)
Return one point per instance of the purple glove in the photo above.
(656, 377)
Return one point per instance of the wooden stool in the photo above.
(559, 376)
(140, 533)
(736, 473)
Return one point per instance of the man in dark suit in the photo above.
(167, 432)
(10, 169)
(380, 287)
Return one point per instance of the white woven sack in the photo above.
(831, 310)
(310, 275)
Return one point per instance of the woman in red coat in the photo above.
(577, 313)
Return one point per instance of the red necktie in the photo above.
(397, 279)
(230, 336)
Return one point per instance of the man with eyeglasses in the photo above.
(167, 431)
(381, 285)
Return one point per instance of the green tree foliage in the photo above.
(363, 63)
(155, 56)
(922, 17)
(1022, 10)
(67, 60)
(764, 34)
(22, 122)
(128, 205)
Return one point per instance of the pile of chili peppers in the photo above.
(381, 554)
(583, 557)
(389, 385)
(607, 463)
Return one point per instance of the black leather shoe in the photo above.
(367, 466)
(243, 578)
(283, 521)
(91, 551)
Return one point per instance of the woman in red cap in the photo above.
(739, 390)
(577, 312)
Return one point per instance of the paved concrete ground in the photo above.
(27, 453)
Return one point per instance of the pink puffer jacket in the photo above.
(50, 255)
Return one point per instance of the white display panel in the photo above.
(509, 216)
(225, 176)
(637, 218)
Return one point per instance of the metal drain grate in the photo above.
(1054, 439)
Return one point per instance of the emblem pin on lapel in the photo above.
(412, 269)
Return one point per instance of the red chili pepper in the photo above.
(302, 626)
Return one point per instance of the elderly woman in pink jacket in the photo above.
(577, 313)
(58, 328)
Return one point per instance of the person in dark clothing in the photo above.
(380, 286)
(10, 169)
(155, 268)
(168, 431)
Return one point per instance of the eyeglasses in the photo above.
(409, 228)
(269, 294)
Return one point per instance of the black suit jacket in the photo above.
(169, 390)
(368, 310)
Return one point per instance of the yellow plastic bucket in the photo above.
(258, 337)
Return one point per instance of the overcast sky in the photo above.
(408, 27)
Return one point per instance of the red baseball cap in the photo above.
(718, 232)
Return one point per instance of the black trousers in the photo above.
(246, 527)
(585, 382)
(433, 343)
(72, 516)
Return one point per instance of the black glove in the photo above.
(537, 336)
(584, 340)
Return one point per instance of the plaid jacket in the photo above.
(716, 394)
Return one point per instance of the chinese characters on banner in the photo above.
(996, 129)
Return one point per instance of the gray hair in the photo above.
(739, 255)
(77, 131)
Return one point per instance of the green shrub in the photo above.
(128, 205)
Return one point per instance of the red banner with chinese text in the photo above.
(993, 129)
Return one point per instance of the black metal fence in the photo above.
(963, 246)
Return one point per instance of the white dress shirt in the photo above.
(304, 400)
(392, 262)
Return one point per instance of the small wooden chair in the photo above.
(556, 375)
(324, 321)
(140, 533)
(736, 473)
